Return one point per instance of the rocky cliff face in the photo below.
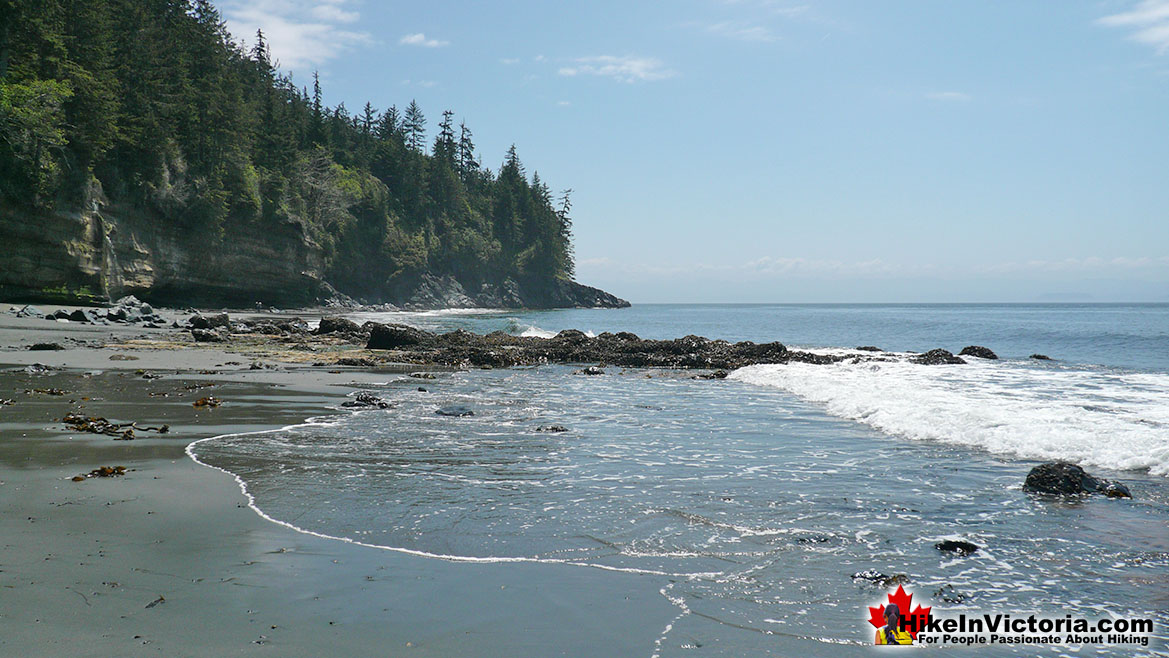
(429, 291)
(105, 252)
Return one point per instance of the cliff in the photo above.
(105, 252)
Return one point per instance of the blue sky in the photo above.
(771, 151)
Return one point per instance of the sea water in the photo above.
(750, 503)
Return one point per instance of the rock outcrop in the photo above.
(498, 349)
(978, 351)
(105, 251)
(1067, 479)
(936, 357)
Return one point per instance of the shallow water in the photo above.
(750, 502)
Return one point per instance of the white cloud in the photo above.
(623, 69)
(301, 34)
(334, 14)
(741, 31)
(949, 96)
(419, 39)
(563, 103)
(509, 61)
(1149, 22)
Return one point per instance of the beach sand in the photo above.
(169, 560)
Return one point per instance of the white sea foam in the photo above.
(1110, 419)
(536, 332)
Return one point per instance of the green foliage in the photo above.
(153, 99)
(32, 134)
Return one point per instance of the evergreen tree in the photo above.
(154, 101)
(414, 126)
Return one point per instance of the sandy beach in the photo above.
(169, 560)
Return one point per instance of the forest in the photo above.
(151, 105)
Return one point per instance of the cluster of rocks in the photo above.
(219, 327)
(127, 310)
(462, 348)
(499, 349)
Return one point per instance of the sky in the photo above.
(775, 151)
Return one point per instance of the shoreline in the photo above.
(150, 561)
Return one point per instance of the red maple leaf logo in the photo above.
(910, 622)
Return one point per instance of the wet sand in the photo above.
(169, 560)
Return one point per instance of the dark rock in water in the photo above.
(936, 357)
(423, 375)
(421, 389)
(870, 348)
(551, 428)
(117, 314)
(1116, 490)
(394, 336)
(1040, 357)
(44, 347)
(335, 325)
(956, 546)
(717, 374)
(456, 411)
(29, 312)
(591, 370)
(878, 578)
(79, 316)
(978, 351)
(1067, 479)
(366, 400)
(948, 594)
(815, 539)
(208, 336)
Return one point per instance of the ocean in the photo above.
(751, 503)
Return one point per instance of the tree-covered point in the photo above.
(154, 101)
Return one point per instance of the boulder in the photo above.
(551, 428)
(198, 321)
(956, 546)
(1067, 479)
(208, 336)
(366, 400)
(870, 348)
(337, 325)
(395, 336)
(1040, 357)
(978, 351)
(457, 411)
(936, 357)
(42, 347)
(29, 312)
(571, 337)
